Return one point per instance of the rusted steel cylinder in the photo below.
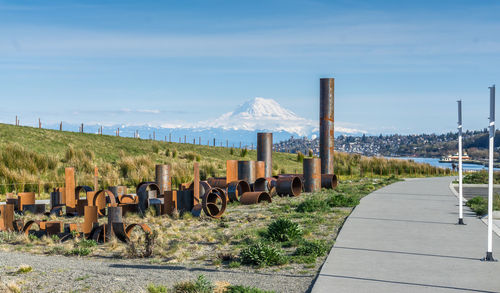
(265, 151)
(114, 215)
(255, 197)
(89, 218)
(326, 123)
(231, 171)
(291, 186)
(163, 178)
(246, 171)
(236, 188)
(261, 184)
(260, 169)
(217, 182)
(143, 195)
(329, 181)
(214, 202)
(312, 174)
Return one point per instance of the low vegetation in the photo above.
(480, 177)
(33, 159)
(204, 285)
(480, 204)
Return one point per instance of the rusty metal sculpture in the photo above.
(329, 181)
(237, 188)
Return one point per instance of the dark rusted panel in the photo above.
(80, 205)
(291, 186)
(6, 217)
(255, 197)
(246, 171)
(18, 225)
(220, 182)
(326, 124)
(170, 202)
(69, 187)
(98, 233)
(231, 171)
(55, 199)
(163, 178)
(57, 211)
(312, 174)
(236, 188)
(13, 200)
(214, 202)
(25, 198)
(329, 181)
(114, 215)
(184, 201)
(196, 184)
(38, 208)
(53, 227)
(89, 218)
(81, 188)
(265, 152)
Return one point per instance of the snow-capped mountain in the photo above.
(233, 128)
(263, 114)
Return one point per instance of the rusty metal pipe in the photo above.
(329, 181)
(214, 202)
(291, 186)
(326, 124)
(246, 171)
(312, 174)
(255, 197)
(265, 151)
(220, 182)
(163, 178)
(236, 188)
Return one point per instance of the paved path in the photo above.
(403, 238)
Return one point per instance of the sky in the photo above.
(399, 66)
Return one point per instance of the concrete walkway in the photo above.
(403, 238)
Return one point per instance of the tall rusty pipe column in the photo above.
(163, 178)
(326, 121)
(312, 174)
(265, 151)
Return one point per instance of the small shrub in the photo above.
(234, 264)
(315, 248)
(243, 152)
(55, 238)
(174, 153)
(262, 254)
(24, 269)
(311, 153)
(231, 151)
(80, 251)
(32, 237)
(155, 148)
(167, 153)
(202, 285)
(156, 289)
(340, 200)
(192, 156)
(245, 289)
(479, 205)
(283, 230)
(87, 243)
(312, 205)
(300, 157)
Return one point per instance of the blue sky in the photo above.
(399, 65)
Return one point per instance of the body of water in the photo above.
(435, 162)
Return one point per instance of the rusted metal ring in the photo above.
(236, 188)
(209, 202)
(255, 197)
(110, 199)
(145, 228)
(27, 226)
(128, 199)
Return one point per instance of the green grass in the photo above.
(480, 204)
(33, 159)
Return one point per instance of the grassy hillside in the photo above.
(33, 159)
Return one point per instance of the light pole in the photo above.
(489, 252)
(460, 189)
